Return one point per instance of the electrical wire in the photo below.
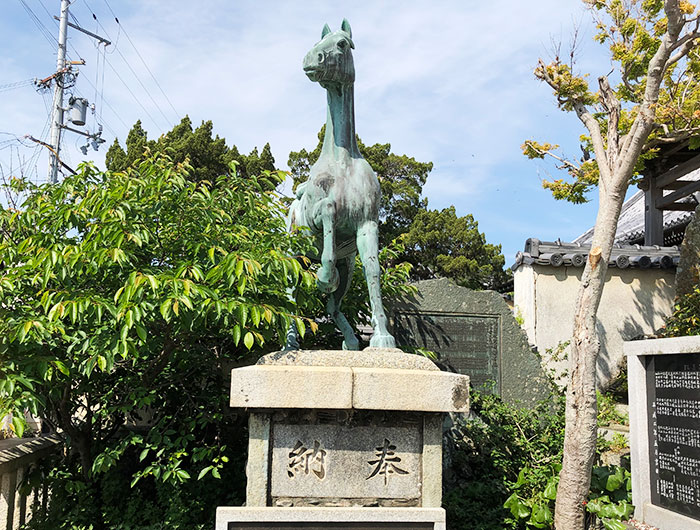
(118, 116)
(142, 59)
(131, 69)
(18, 84)
(135, 75)
(132, 93)
(51, 39)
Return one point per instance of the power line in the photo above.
(132, 93)
(53, 41)
(142, 85)
(136, 76)
(18, 84)
(177, 114)
(107, 104)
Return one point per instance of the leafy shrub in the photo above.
(506, 462)
(685, 319)
(501, 447)
(607, 411)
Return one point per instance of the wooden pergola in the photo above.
(665, 173)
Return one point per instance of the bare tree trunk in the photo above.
(581, 406)
(616, 157)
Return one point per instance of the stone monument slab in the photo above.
(474, 333)
(664, 391)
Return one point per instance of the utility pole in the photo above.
(57, 110)
(64, 77)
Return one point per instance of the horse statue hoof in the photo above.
(325, 283)
(382, 341)
(353, 345)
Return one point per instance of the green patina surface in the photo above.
(339, 203)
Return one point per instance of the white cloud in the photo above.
(445, 81)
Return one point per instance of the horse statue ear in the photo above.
(326, 30)
(345, 26)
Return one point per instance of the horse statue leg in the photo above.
(368, 246)
(346, 268)
(324, 216)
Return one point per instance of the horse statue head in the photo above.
(330, 60)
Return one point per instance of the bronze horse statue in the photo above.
(339, 203)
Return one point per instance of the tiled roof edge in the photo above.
(558, 254)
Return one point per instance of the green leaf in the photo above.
(236, 334)
(141, 332)
(255, 315)
(26, 382)
(615, 480)
(248, 340)
(611, 524)
(23, 330)
(242, 313)
(694, 143)
(300, 326)
(18, 425)
(144, 454)
(550, 492)
(517, 507)
(204, 472)
(165, 308)
(62, 367)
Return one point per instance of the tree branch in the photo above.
(685, 44)
(612, 106)
(597, 140)
(565, 163)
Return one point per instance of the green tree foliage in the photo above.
(440, 243)
(401, 178)
(208, 155)
(124, 296)
(632, 31)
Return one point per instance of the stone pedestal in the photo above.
(342, 438)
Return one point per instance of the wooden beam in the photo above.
(653, 217)
(677, 184)
(677, 172)
(678, 194)
(681, 207)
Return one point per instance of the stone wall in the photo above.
(635, 302)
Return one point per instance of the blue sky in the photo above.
(443, 81)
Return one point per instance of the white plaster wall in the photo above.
(635, 302)
(524, 306)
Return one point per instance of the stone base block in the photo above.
(416, 385)
(666, 519)
(248, 518)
